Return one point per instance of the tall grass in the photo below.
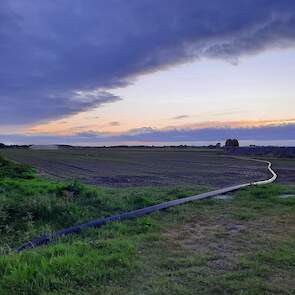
(132, 257)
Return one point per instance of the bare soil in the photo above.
(123, 167)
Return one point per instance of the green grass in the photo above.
(33, 207)
(240, 246)
(14, 170)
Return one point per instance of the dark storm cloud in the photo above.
(31, 106)
(62, 57)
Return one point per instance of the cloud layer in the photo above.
(279, 133)
(62, 57)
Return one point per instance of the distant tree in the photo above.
(232, 143)
(228, 142)
(2, 145)
(236, 143)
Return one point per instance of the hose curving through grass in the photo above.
(43, 240)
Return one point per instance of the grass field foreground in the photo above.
(243, 245)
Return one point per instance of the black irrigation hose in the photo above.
(43, 240)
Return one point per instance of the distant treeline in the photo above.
(65, 146)
(13, 146)
(283, 152)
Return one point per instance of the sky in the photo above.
(101, 72)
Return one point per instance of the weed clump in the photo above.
(14, 170)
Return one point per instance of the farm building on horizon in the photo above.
(44, 147)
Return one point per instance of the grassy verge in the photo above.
(30, 206)
(240, 246)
